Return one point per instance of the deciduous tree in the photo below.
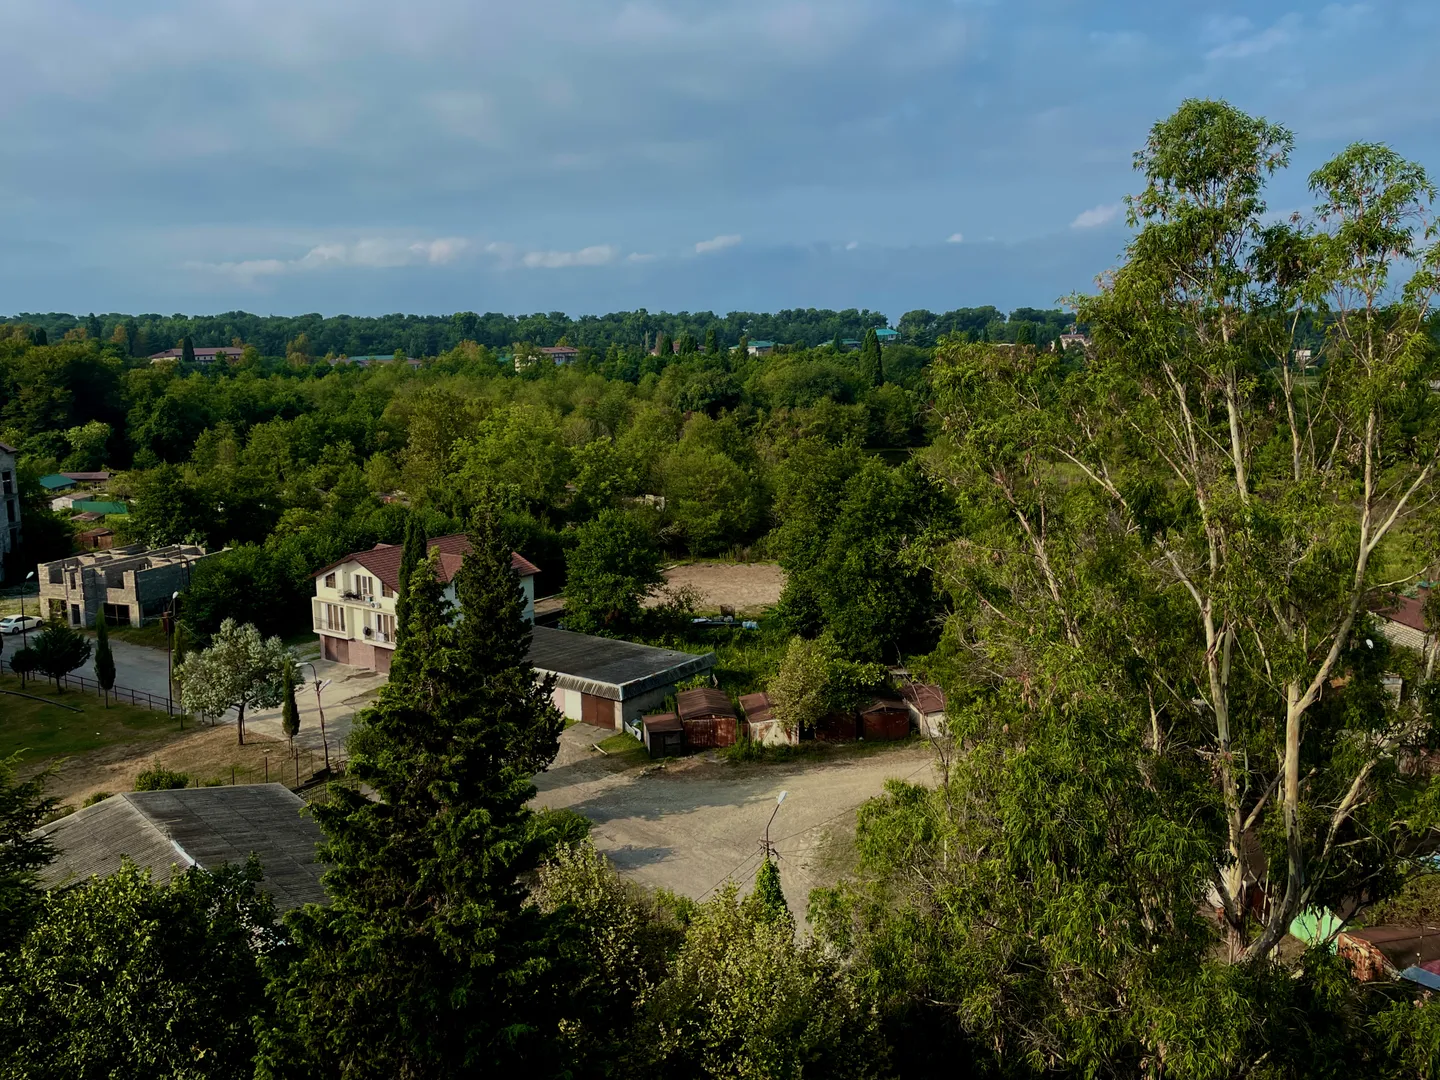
(240, 670)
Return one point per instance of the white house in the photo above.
(353, 611)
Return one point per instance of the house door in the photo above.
(75, 614)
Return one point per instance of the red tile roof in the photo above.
(383, 560)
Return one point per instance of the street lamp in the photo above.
(320, 707)
(170, 657)
(25, 630)
(778, 800)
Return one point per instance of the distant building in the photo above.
(202, 356)
(1073, 340)
(1402, 622)
(353, 611)
(56, 482)
(167, 832)
(131, 584)
(760, 348)
(561, 354)
(9, 503)
(886, 335)
(371, 361)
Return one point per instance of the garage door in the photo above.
(597, 710)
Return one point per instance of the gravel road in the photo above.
(698, 822)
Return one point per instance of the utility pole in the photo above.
(320, 707)
(769, 847)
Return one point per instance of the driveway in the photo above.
(699, 822)
(138, 667)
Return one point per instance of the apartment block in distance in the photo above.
(353, 611)
(132, 585)
(9, 504)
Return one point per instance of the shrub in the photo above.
(160, 778)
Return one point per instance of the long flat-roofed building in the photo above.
(608, 682)
(168, 832)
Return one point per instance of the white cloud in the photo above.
(596, 255)
(719, 243)
(376, 253)
(641, 256)
(1096, 216)
(1240, 44)
(955, 238)
(852, 245)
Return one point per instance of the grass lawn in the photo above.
(626, 751)
(43, 729)
(151, 635)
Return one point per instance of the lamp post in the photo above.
(320, 707)
(778, 800)
(170, 657)
(25, 630)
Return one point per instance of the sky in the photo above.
(288, 156)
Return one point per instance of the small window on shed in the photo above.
(330, 581)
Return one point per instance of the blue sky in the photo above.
(585, 155)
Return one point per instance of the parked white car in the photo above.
(14, 624)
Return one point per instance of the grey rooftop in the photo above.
(609, 668)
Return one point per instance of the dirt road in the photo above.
(697, 823)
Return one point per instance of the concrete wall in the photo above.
(9, 506)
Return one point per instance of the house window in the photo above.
(117, 614)
(330, 580)
(385, 628)
(334, 617)
(7, 482)
(364, 585)
(385, 590)
(57, 576)
(57, 610)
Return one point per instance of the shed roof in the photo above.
(97, 506)
(56, 481)
(703, 701)
(94, 476)
(383, 560)
(607, 667)
(757, 708)
(662, 722)
(204, 827)
(927, 697)
(7, 448)
(1407, 610)
(884, 704)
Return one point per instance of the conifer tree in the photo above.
(411, 556)
(665, 347)
(289, 711)
(427, 961)
(187, 350)
(712, 343)
(768, 896)
(871, 366)
(104, 658)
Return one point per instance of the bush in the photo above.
(99, 796)
(160, 778)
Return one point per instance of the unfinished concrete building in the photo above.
(131, 584)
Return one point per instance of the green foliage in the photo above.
(246, 583)
(104, 658)
(411, 557)
(24, 806)
(289, 711)
(159, 778)
(57, 650)
(816, 680)
(769, 897)
(122, 977)
(239, 670)
(612, 566)
(872, 366)
(428, 960)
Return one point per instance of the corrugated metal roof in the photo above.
(926, 697)
(884, 705)
(703, 701)
(662, 722)
(609, 668)
(206, 826)
(757, 708)
(55, 482)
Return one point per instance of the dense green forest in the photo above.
(430, 335)
(1143, 572)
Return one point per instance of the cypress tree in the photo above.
(428, 962)
(411, 556)
(837, 344)
(187, 350)
(104, 658)
(289, 711)
(871, 365)
(665, 347)
(712, 343)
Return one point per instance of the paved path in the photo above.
(698, 822)
(139, 667)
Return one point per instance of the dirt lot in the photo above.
(747, 587)
(207, 754)
(698, 821)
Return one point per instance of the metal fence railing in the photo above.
(168, 706)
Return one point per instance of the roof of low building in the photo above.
(7, 448)
(97, 506)
(757, 708)
(761, 344)
(608, 667)
(885, 331)
(884, 704)
(383, 560)
(1407, 610)
(176, 354)
(205, 827)
(666, 721)
(94, 476)
(703, 701)
(927, 697)
(56, 481)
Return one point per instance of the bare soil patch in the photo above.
(749, 588)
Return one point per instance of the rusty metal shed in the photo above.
(664, 735)
(885, 719)
(708, 717)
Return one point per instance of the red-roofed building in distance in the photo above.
(353, 611)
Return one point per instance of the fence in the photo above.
(119, 693)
